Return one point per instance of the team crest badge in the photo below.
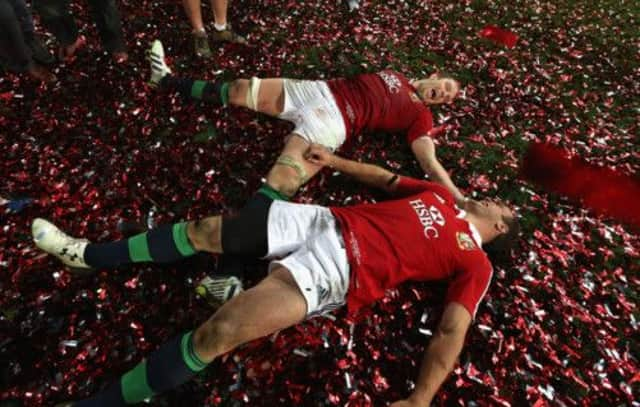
(465, 242)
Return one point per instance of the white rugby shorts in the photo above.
(310, 239)
(310, 105)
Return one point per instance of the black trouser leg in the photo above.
(57, 19)
(14, 51)
(24, 16)
(107, 18)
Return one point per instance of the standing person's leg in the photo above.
(219, 8)
(274, 304)
(107, 18)
(24, 16)
(38, 51)
(56, 18)
(13, 48)
(194, 12)
(193, 9)
(223, 31)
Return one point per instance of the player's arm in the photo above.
(425, 151)
(441, 355)
(368, 174)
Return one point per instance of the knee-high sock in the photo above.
(214, 92)
(270, 192)
(173, 364)
(164, 244)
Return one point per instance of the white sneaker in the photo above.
(219, 289)
(54, 241)
(159, 69)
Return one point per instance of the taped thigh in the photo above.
(252, 93)
(291, 162)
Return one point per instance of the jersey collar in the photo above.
(475, 234)
(474, 231)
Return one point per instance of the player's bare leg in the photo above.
(268, 94)
(291, 169)
(193, 10)
(275, 303)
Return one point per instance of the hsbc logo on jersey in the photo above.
(392, 81)
(429, 218)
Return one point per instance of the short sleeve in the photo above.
(471, 282)
(420, 126)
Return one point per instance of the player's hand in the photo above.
(319, 155)
(436, 131)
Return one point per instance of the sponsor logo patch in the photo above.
(465, 242)
(392, 81)
(429, 218)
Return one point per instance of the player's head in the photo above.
(437, 88)
(500, 223)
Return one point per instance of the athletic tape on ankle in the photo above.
(290, 162)
(252, 93)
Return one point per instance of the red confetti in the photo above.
(499, 35)
(601, 189)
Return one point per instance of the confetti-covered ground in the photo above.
(100, 149)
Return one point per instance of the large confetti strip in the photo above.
(499, 35)
(101, 154)
(599, 188)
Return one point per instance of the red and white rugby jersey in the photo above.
(418, 237)
(381, 101)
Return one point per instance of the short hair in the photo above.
(499, 249)
(448, 75)
(445, 75)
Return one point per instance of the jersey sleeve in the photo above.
(420, 126)
(471, 283)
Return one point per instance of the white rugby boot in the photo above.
(219, 289)
(54, 241)
(159, 68)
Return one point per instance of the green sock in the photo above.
(166, 243)
(272, 193)
(216, 92)
(172, 364)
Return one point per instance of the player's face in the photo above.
(436, 90)
(495, 212)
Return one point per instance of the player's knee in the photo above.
(285, 180)
(205, 234)
(215, 337)
(238, 91)
(265, 104)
